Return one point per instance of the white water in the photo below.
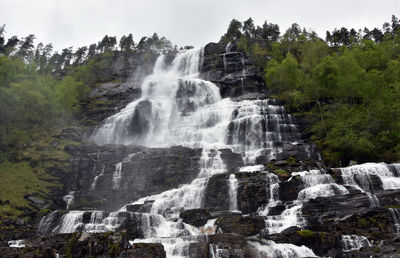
(353, 242)
(316, 184)
(268, 248)
(69, 198)
(360, 176)
(16, 243)
(395, 214)
(255, 168)
(233, 187)
(373, 200)
(116, 179)
(273, 190)
(177, 107)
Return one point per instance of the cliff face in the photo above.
(233, 72)
(204, 202)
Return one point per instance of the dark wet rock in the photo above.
(299, 151)
(120, 83)
(389, 199)
(374, 182)
(336, 173)
(195, 217)
(145, 250)
(50, 222)
(232, 160)
(84, 245)
(288, 190)
(144, 208)
(276, 210)
(251, 96)
(228, 240)
(144, 172)
(252, 192)
(216, 193)
(240, 225)
(199, 249)
(140, 121)
(349, 215)
(233, 72)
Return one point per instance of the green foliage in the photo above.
(16, 181)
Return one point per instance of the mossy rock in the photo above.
(306, 233)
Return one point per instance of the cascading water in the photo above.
(395, 214)
(268, 248)
(233, 186)
(116, 180)
(179, 108)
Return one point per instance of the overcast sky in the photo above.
(185, 22)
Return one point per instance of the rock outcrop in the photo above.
(233, 72)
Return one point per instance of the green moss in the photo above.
(291, 161)
(362, 223)
(281, 172)
(306, 233)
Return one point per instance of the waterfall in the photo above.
(395, 214)
(233, 187)
(116, 179)
(273, 191)
(373, 200)
(177, 107)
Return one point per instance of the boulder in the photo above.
(233, 72)
(195, 217)
(252, 192)
(145, 250)
(216, 193)
(240, 225)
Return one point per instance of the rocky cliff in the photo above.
(232, 175)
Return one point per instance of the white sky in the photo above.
(75, 23)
